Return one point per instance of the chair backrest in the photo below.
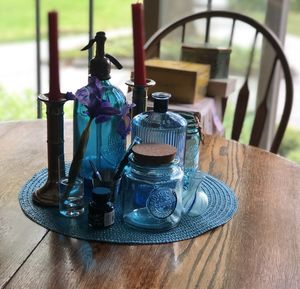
(153, 49)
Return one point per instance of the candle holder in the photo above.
(139, 95)
(48, 194)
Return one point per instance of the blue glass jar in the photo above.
(161, 126)
(151, 188)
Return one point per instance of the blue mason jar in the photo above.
(151, 188)
(192, 144)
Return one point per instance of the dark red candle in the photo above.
(138, 44)
(54, 90)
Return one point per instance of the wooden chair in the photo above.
(153, 49)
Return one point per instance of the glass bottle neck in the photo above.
(105, 82)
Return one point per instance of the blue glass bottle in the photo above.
(151, 188)
(161, 126)
(106, 146)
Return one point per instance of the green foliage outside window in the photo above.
(246, 5)
(257, 5)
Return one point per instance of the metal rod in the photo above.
(251, 56)
(183, 33)
(38, 55)
(232, 32)
(91, 27)
(207, 29)
(209, 5)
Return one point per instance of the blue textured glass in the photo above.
(161, 127)
(192, 148)
(105, 146)
(71, 205)
(152, 196)
(194, 199)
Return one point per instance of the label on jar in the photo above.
(102, 220)
(109, 218)
(162, 202)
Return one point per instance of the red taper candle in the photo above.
(138, 44)
(54, 90)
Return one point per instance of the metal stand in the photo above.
(139, 96)
(48, 194)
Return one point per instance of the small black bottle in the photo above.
(101, 210)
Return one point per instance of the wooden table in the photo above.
(258, 248)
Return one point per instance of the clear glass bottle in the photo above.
(151, 188)
(106, 146)
(161, 126)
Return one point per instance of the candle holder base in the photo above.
(48, 194)
(139, 96)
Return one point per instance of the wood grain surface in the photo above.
(258, 248)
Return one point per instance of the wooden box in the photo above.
(221, 87)
(218, 58)
(187, 82)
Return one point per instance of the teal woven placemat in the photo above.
(222, 206)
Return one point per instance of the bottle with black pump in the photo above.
(107, 139)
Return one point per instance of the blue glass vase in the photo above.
(105, 147)
(107, 139)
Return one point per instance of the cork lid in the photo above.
(153, 154)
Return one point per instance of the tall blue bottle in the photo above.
(106, 146)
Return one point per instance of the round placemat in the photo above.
(221, 208)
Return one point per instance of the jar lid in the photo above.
(101, 194)
(160, 101)
(153, 154)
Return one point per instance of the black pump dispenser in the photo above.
(100, 65)
(160, 101)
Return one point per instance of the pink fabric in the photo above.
(211, 121)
